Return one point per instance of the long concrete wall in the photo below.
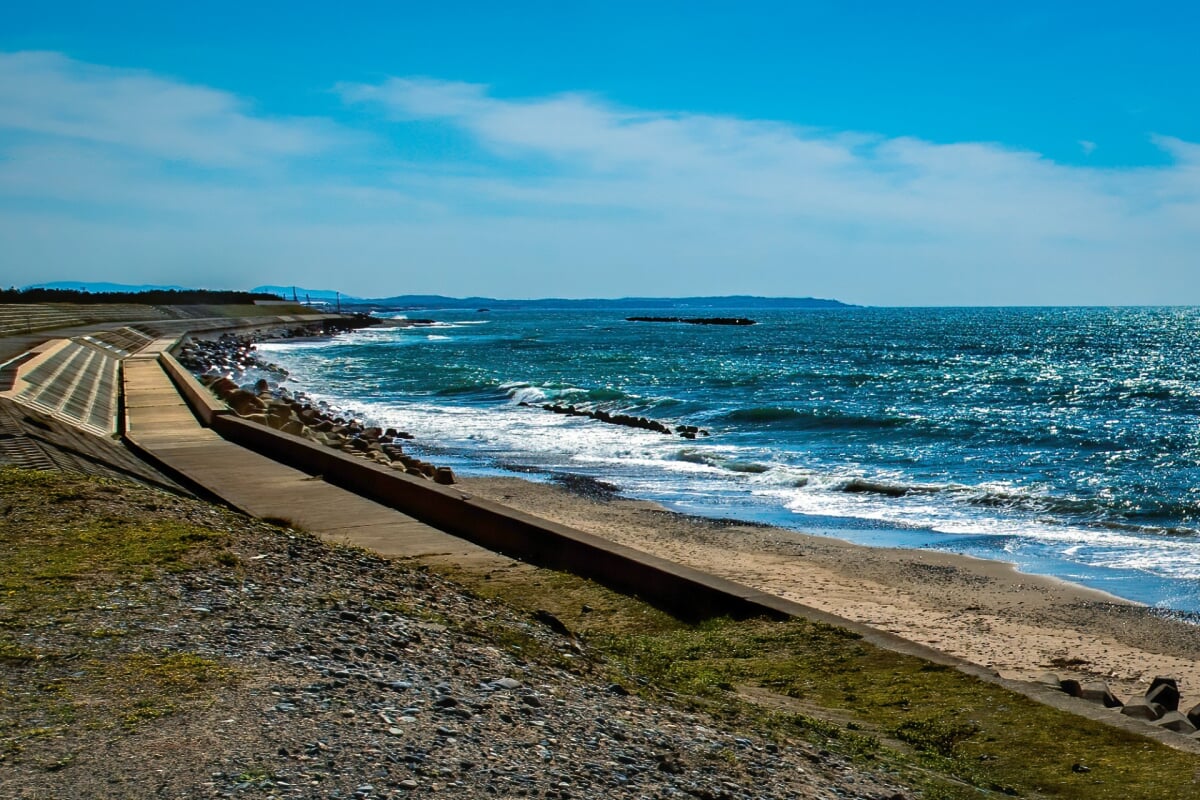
(497, 527)
(684, 591)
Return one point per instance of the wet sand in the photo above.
(983, 611)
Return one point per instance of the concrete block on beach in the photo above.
(1193, 715)
(1050, 680)
(1164, 693)
(1174, 721)
(1141, 708)
(1098, 692)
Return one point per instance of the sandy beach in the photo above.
(983, 611)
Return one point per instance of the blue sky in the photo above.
(882, 153)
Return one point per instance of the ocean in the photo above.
(1064, 440)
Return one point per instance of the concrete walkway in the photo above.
(160, 424)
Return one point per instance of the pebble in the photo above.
(337, 717)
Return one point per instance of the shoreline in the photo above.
(984, 611)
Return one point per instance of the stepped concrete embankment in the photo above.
(177, 424)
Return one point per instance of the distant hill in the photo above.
(434, 302)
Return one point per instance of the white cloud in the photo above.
(47, 94)
(844, 200)
(124, 175)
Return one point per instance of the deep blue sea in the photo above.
(1065, 440)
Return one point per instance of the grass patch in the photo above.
(76, 556)
(63, 538)
(951, 734)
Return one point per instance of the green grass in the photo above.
(70, 546)
(955, 736)
(78, 558)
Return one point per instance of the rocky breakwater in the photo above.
(697, 320)
(1159, 706)
(626, 420)
(221, 363)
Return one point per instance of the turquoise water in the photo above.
(1065, 440)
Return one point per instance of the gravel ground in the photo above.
(355, 677)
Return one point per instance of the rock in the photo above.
(244, 403)
(223, 387)
(551, 621)
(1071, 687)
(507, 683)
(1159, 680)
(444, 476)
(1174, 721)
(1165, 694)
(293, 426)
(1141, 708)
(1098, 692)
(1193, 715)
(1051, 680)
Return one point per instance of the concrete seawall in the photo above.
(684, 591)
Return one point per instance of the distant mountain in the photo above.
(98, 287)
(434, 302)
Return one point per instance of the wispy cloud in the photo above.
(108, 173)
(1003, 222)
(48, 94)
(670, 161)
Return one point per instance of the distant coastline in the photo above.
(434, 302)
(441, 302)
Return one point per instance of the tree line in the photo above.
(153, 297)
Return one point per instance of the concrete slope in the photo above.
(161, 425)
